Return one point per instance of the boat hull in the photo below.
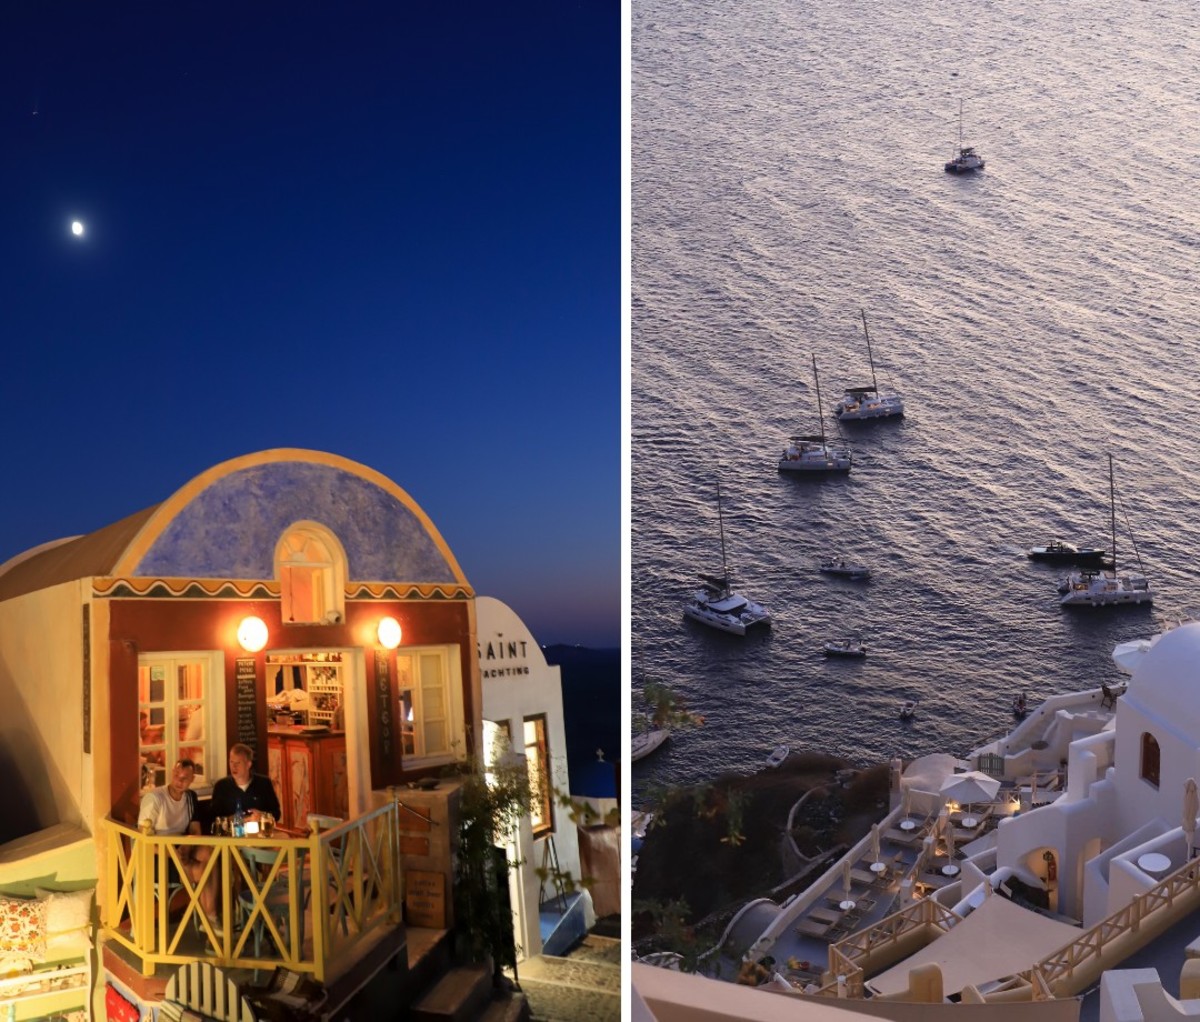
(751, 615)
(862, 411)
(1105, 591)
(640, 746)
(834, 467)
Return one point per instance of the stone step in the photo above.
(459, 996)
(511, 1007)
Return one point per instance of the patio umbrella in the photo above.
(973, 786)
(906, 801)
(846, 881)
(875, 840)
(1191, 807)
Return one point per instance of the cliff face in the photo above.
(718, 846)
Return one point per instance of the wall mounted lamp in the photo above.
(252, 634)
(389, 633)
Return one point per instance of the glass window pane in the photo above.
(157, 684)
(435, 737)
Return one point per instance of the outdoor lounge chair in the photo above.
(812, 928)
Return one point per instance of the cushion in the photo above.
(68, 943)
(23, 927)
(66, 910)
(15, 966)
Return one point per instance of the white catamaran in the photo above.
(1093, 587)
(859, 403)
(717, 605)
(812, 455)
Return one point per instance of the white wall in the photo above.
(518, 683)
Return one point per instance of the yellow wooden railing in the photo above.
(303, 903)
(846, 957)
(1074, 967)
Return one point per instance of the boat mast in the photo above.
(960, 108)
(721, 527)
(1112, 501)
(820, 413)
(870, 357)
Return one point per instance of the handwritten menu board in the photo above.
(247, 718)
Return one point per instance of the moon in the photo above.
(77, 228)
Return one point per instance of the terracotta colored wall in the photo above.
(147, 626)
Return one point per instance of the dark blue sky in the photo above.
(387, 230)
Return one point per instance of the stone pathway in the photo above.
(583, 987)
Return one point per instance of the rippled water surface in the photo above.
(787, 171)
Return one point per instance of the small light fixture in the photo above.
(389, 633)
(252, 634)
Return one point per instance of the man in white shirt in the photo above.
(171, 809)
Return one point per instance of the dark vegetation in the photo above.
(715, 847)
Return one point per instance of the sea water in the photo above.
(786, 174)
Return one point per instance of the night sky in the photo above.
(391, 231)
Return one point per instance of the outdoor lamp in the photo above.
(252, 634)
(389, 633)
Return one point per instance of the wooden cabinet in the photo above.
(309, 774)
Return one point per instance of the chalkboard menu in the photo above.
(247, 703)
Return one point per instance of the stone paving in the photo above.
(583, 987)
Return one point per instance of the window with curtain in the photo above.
(174, 717)
(430, 704)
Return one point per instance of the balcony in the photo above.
(314, 904)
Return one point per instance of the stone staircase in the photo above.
(584, 986)
(465, 994)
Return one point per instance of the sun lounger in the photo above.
(812, 928)
(823, 915)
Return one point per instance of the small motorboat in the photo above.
(780, 753)
(1057, 552)
(641, 745)
(851, 647)
(908, 709)
(1019, 706)
(844, 569)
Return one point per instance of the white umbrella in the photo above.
(1127, 655)
(973, 786)
(1191, 807)
(906, 801)
(875, 842)
(846, 880)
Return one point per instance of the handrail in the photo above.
(303, 909)
(1177, 893)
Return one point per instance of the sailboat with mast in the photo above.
(859, 403)
(965, 159)
(716, 604)
(1093, 587)
(813, 455)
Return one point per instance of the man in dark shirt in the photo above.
(251, 794)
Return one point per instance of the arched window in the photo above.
(1150, 758)
(311, 567)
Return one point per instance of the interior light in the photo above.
(252, 634)
(389, 633)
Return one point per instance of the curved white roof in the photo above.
(1166, 678)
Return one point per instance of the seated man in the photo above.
(242, 791)
(171, 809)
